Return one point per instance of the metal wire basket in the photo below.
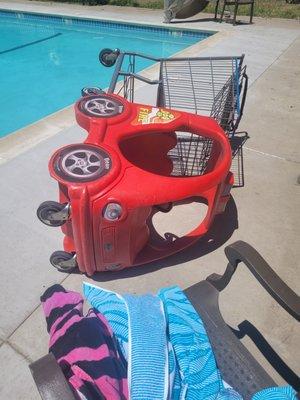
(214, 86)
(191, 155)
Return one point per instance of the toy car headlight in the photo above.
(112, 212)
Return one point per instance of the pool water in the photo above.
(46, 60)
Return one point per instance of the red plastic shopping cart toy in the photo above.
(110, 184)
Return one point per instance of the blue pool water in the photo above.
(46, 60)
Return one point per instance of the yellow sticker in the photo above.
(154, 115)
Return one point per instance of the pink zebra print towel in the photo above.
(84, 346)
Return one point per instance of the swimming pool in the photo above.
(46, 60)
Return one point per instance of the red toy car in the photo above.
(110, 184)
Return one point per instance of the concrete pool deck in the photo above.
(264, 213)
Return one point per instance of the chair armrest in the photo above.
(49, 379)
(243, 252)
(237, 365)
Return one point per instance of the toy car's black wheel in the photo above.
(63, 261)
(101, 106)
(82, 163)
(46, 211)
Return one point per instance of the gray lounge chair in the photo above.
(237, 365)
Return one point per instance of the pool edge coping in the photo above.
(162, 25)
(23, 139)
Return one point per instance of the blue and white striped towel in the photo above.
(140, 326)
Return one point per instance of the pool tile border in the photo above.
(113, 24)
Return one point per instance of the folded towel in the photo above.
(199, 373)
(139, 324)
(147, 347)
(113, 307)
(276, 393)
(84, 346)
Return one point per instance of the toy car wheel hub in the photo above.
(82, 163)
(102, 107)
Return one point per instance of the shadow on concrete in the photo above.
(246, 328)
(209, 19)
(186, 21)
(222, 229)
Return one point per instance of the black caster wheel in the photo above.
(90, 91)
(52, 213)
(108, 57)
(63, 261)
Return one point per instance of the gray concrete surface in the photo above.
(16, 382)
(266, 209)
